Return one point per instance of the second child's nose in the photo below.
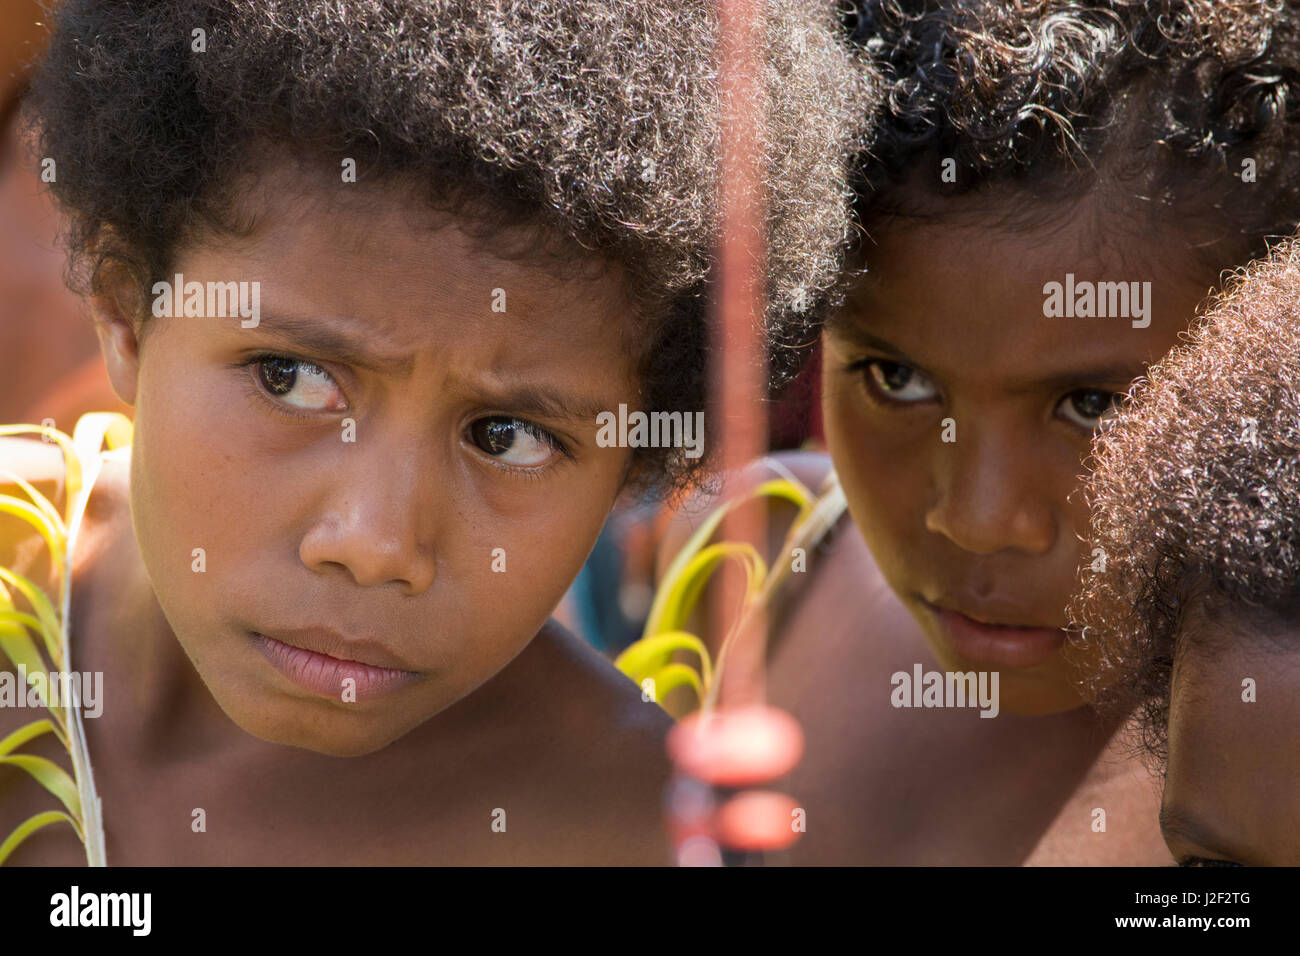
(987, 498)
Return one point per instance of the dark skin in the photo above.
(390, 536)
(1229, 793)
(992, 519)
(991, 523)
(951, 319)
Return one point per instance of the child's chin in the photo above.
(1025, 692)
(347, 735)
(1039, 693)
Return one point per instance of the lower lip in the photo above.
(325, 675)
(1009, 647)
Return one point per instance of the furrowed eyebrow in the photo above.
(317, 337)
(321, 339)
(547, 404)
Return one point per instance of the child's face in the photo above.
(1230, 786)
(946, 338)
(392, 478)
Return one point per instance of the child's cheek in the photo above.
(532, 542)
(884, 475)
(195, 503)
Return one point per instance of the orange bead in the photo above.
(737, 748)
(757, 820)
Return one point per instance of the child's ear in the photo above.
(119, 335)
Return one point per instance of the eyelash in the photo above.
(532, 472)
(529, 472)
(861, 370)
(254, 386)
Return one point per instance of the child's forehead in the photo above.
(976, 306)
(975, 240)
(291, 215)
(1228, 695)
(1216, 633)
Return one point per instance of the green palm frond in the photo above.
(664, 637)
(36, 635)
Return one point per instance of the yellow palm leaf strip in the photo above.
(778, 488)
(30, 826)
(38, 499)
(54, 536)
(650, 654)
(50, 629)
(50, 776)
(21, 651)
(72, 464)
(25, 733)
(806, 532)
(668, 679)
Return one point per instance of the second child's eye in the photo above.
(899, 383)
(299, 383)
(1090, 407)
(514, 441)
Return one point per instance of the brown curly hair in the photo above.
(592, 120)
(1196, 494)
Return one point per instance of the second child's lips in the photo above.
(975, 637)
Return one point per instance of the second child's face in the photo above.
(958, 415)
(396, 467)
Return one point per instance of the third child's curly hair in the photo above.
(1196, 494)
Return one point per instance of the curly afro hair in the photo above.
(1196, 494)
(591, 120)
(1153, 104)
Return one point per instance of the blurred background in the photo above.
(49, 360)
(610, 601)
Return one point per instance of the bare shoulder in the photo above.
(585, 755)
(602, 696)
(1112, 818)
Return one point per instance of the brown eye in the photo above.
(1089, 407)
(513, 440)
(299, 383)
(899, 383)
(278, 374)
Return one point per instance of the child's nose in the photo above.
(377, 524)
(989, 496)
